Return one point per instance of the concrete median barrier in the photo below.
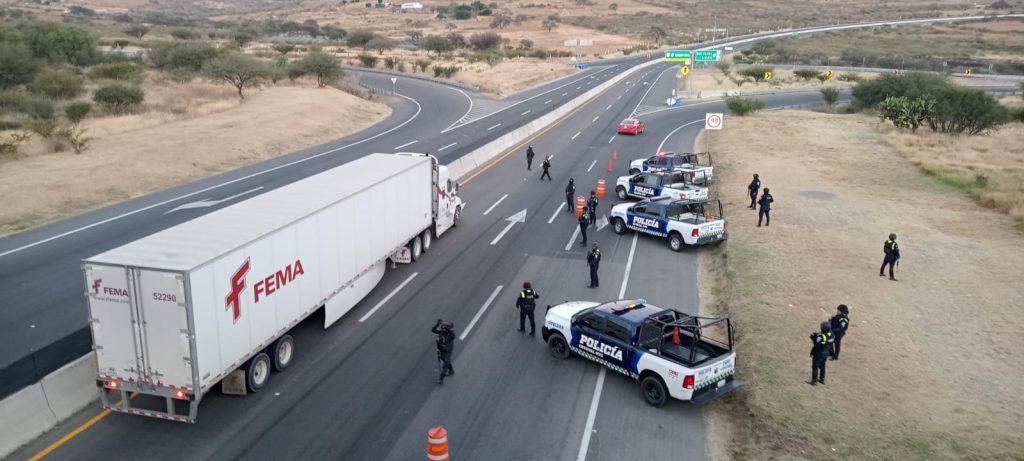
(72, 387)
(24, 416)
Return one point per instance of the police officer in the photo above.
(570, 191)
(529, 157)
(821, 343)
(583, 222)
(526, 302)
(592, 208)
(766, 208)
(752, 189)
(445, 346)
(594, 261)
(545, 165)
(892, 255)
(839, 322)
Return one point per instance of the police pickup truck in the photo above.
(674, 184)
(699, 163)
(682, 222)
(669, 352)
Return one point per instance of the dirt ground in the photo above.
(138, 154)
(713, 79)
(930, 367)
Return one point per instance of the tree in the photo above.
(525, 44)
(61, 42)
(119, 98)
(333, 32)
(414, 34)
(312, 27)
(614, 7)
(830, 94)
(485, 41)
(17, 66)
(549, 24)
(191, 56)
(284, 48)
(359, 38)
(724, 67)
(57, 82)
(239, 70)
(501, 21)
(137, 30)
(458, 40)
(243, 37)
(655, 34)
(77, 111)
(381, 44)
(437, 44)
(322, 66)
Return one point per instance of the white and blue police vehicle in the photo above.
(670, 353)
(681, 222)
(696, 164)
(674, 184)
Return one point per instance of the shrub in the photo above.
(849, 77)
(322, 66)
(39, 108)
(807, 74)
(962, 110)
(870, 93)
(119, 98)
(541, 54)
(9, 144)
(368, 60)
(381, 44)
(77, 111)
(744, 106)
(755, 72)
(75, 137)
(44, 128)
(61, 43)
(190, 56)
(445, 71)
(57, 82)
(182, 76)
(184, 34)
(137, 30)
(724, 67)
(423, 64)
(906, 113)
(390, 62)
(490, 57)
(128, 71)
(359, 38)
(12, 101)
(436, 44)
(485, 41)
(830, 94)
(295, 71)
(17, 65)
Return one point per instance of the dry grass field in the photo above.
(930, 366)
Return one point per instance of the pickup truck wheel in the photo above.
(675, 242)
(428, 238)
(619, 226)
(634, 171)
(654, 391)
(621, 192)
(558, 347)
(417, 248)
(283, 351)
(257, 372)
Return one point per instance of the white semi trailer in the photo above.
(176, 312)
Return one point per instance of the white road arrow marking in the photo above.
(206, 203)
(512, 220)
(603, 223)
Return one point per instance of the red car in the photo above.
(631, 126)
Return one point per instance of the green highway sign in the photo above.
(677, 55)
(707, 55)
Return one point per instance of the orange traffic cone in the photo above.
(675, 337)
(581, 205)
(610, 169)
(437, 444)
(615, 154)
(600, 188)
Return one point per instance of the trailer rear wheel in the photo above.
(654, 391)
(283, 352)
(257, 372)
(416, 247)
(428, 238)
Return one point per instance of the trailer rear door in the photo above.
(166, 332)
(112, 321)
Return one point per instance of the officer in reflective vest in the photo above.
(839, 322)
(821, 344)
(526, 303)
(592, 208)
(892, 255)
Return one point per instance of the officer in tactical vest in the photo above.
(594, 262)
(839, 322)
(892, 255)
(445, 346)
(526, 303)
(592, 208)
(821, 345)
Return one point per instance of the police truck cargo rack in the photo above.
(212, 300)
(670, 353)
(696, 164)
(681, 222)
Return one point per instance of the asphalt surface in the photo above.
(367, 390)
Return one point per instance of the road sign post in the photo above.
(712, 122)
(394, 84)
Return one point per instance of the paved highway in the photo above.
(365, 389)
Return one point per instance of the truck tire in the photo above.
(621, 193)
(559, 347)
(257, 372)
(458, 217)
(416, 248)
(283, 351)
(634, 171)
(655, 393)
(619, 226)
(428, 239)
(675, 241)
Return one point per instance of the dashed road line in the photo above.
(388, 297)
(407, 144)
(493, 127)
(612, 139)
(548, 101)
(481, 312)
(575, 135)
(445, 147)
(556, 214)
(591, 167)
(503, 197)
(524, 113)
(595, 119)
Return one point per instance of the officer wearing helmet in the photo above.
(526, 303)
(570, 191)
(839, 322)
(445, 346)
(821, 345)
(892, 255)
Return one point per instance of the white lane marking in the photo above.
(572, 240)
(556, 213)
(503, 197)
(545, 102)
(575, 135)
(629, 266)
(493, 127)
(217, 186)
(206, 203)
(445, 147)
(591, 165)
(651, 87)
(463, 115)
(609, 107)
(591, 416)
(595, 119)
(612, 139)
(512, 220)
(480, 313)
(407, 144)
(577, 88)
(618, 97)
(388, 297)
(524, 113)
(669, 135)
(563, 94)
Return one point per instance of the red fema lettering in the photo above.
(278, 280)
